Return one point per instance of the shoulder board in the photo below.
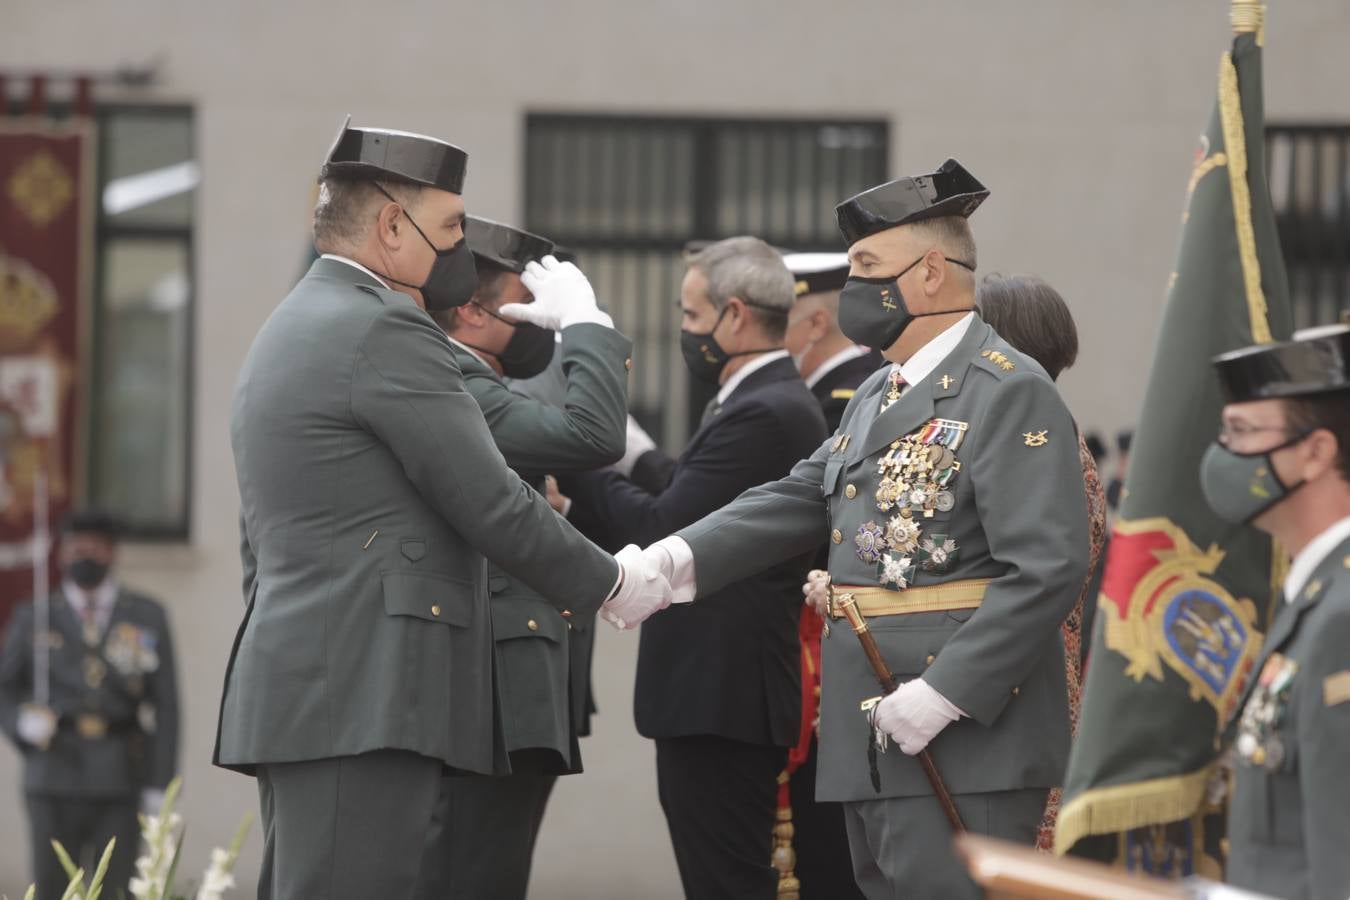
(386, 296)
(842, 394)
(997, 361)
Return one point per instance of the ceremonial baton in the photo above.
(888, 684)
(41, 593)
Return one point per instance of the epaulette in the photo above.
(996, 362)
(387, 296)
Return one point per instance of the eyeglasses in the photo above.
(1228, 434)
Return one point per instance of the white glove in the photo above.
(562, 297)
(913, 714)
(642, 590)
(817, 591)
(36, 725)
(152, 801)
(638, 443)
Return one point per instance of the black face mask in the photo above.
(705, 357)
(527, 353)
(873, 312)
(453, 277)
(87, 572)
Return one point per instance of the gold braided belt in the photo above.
(878, 601)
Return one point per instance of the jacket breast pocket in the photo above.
(429, 596)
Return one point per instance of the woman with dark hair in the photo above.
(1031, 315)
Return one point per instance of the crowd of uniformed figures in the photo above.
(443, 493)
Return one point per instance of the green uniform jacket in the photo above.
(543, 649)
(127, 683)
(371, 491)
(1289, 821)
(1017, 515)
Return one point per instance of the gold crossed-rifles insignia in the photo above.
(945, 381)
(1036, 438)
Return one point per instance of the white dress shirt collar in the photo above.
(103, 597)
(851, 352)
(921, 364)
(746, 371)
(1311, 556)
(354, 264)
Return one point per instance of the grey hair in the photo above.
(347, 206)
(750, 269)
(951, 235)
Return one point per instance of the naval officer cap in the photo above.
(501, 246)
(815, 273)
(1315, 362)
(950, 191)
(375, 152)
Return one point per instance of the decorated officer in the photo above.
(958, 529)
(104, 745)
(1282, 464)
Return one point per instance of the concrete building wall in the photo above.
(1081, 117)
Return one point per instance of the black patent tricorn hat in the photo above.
(503, 246)
(814, 273)
(373, 152)
(950, 191)
(1299, 368)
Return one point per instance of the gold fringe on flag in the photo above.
(1125, 806)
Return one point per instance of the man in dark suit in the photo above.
(105, 743)
(718, 690)
(831, 365)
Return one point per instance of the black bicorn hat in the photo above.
(503, 246)
(373, 152)
(814, 273)
(1304, 367)
(950, 191)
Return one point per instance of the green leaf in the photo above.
(76, 883)
(96, 884)
(177, 850)
(30, 893)
(66, 862)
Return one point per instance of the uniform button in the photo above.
(1016, 691)
(850, 492)
(628, 364)
(567, 614)
(837, 536)
(929, 660)
(532, 625)
(569, 626)
(435, 609)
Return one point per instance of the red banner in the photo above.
(46, 205)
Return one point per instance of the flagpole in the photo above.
(41, 595)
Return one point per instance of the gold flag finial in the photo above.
(1248, 16)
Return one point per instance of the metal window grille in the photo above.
(1309, 170)
(627, 192)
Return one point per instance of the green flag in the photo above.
(1185, 596)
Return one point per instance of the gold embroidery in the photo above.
(1036, 438)
(1336, 688)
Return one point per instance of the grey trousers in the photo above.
(347, 828)
(902, 847)
(83, 826)
(481, 842)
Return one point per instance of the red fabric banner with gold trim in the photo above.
(46, 204)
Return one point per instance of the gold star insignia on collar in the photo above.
(997, 358)
(1036, 438)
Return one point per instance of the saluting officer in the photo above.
(526, 299)
(106, 744)
(371, 492)
(1282, 464)
(958, 528)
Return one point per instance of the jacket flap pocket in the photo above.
(428, 595)
(527, 620)
(413, 548)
